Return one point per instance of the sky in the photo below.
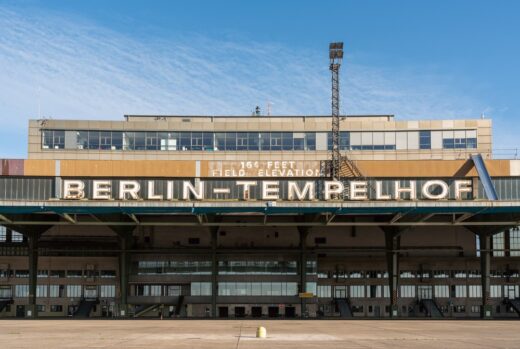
(96, 59)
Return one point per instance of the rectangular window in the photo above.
(442, 291)
(3, 234)
(139, 140)
(324, 291)
(74, 291)
(105, 140)
(231, 141)
(220, 141)
(407, 291)
(357, 291)
(56, 291)
(425, 140)
(475, 291)
(460, 291)
(21, 291)
(242, 141)
(496, 291)
(41, 291)
(514, 242)
(107, 274)
(16, 236)
(74, 273)
(93, 140)
(201, 288)
(107, 291)
(310, 141)
(6, 291)
(276, 141)
(287, 141)
(253, 142)
(56, 308)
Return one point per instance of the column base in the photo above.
(487, 312)
(123, 310)
(31, 311)
(394, 311)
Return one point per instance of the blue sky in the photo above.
(102, 59)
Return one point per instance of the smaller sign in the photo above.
(306, 294)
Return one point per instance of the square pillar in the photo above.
(392, 261)
(32, 309)
(485, 266)
(303, 232)
(214, 272)
(125, 242)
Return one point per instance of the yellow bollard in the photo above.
(261, 332)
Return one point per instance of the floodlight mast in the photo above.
(336, 58)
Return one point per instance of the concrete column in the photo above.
(392, 261)
(303, 268)
(125, 241)
(485, 266)
(32, 309)
(214, 272)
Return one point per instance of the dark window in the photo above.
(265, 141)
(105, 140)
(196, 141)
(207, 142)
(139, 141)
(220, 141)
(242, 140)
(194, 241)
(320, 240)
(151, 141)
(93, 140)
(276, 141)
(117, 140)
(287, 141)
(310, 139)
(253, 141)
(231, 141)
(425, 140)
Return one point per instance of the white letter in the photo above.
(293, 191)
(379, 192)
(462, 186)
(270, 190)
(358, 190)
(101, 190)
(197, 192)
(169, 190)
(151, 192)
(73, 189)
(129, 187)
(246, 194)
(426, 190)
(332, 187)
(398, 190)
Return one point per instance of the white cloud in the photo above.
(87, 71)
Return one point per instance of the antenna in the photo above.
(336, 58)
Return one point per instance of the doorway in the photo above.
(240, 311)
(340, 292)
(223, 312)
(424, 292)
(290, 312)
(377, 311)
(20, 311)
(256, 311)
(273, 311)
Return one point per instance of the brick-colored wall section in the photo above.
(131, 168)
(39, 168)
(187, 169)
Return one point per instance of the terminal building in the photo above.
(237, 216)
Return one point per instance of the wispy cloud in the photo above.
(79, 70)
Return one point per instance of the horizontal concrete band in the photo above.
(239, 169)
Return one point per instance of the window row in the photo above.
(257, 289)
(499, 243)
(59, 291)
(10, 235)
(414, 274)
(172, 267)
(24, 273)
(256, 141)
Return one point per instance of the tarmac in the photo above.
(216, 334)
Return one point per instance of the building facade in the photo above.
(206, 216)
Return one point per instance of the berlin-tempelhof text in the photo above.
(357, 190)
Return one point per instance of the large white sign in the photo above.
(268, 190)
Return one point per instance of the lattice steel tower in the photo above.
(336, 57)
